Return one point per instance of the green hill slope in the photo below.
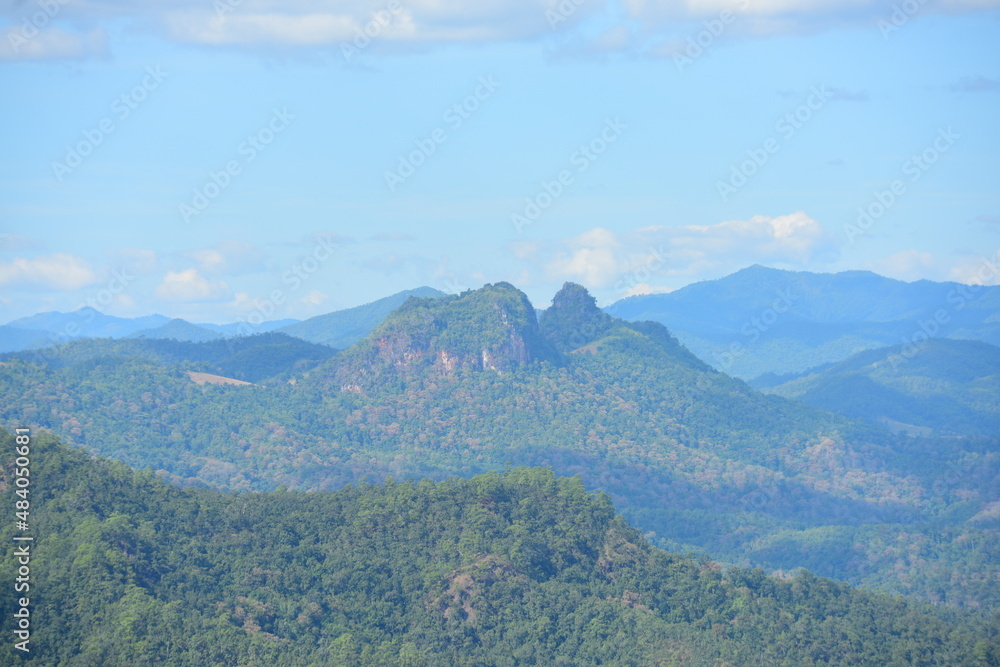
(522, 568)
(249, 358)
(950, 386)
(178, 329)
(471, 383)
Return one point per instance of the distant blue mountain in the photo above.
(343, 328)
(87, 322)
(240, 328)
(181, 330)
(338, 329)
(762, 320)
(13, 339)
(50, 328)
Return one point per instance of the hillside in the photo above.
(13, 339)
(44, 329)
(948, 386)
(518, 568)
(343, 328)
(87, 322)
(178, 329)
(762, 320)
(248, 358)
(244, 328)
(472, 383)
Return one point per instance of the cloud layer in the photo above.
(58, 271)
(648, 259)
(645, 26)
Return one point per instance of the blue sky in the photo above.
(211, 159)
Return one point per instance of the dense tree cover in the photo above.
(519, 568)
(12, 338)
(181, 330)
(249, 358)
(694, 458)
(947, 386)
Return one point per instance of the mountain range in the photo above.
(943, 385)
(339, 329)
(517, 568)
(762, 320)
(473, 383)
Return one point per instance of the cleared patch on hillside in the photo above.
(208, 378)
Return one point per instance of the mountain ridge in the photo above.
(945, 385)
(343, 328)
(761, 320)
(697, 459)
(521, 567)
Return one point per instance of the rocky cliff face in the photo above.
(490, 329)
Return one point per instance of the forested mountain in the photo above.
(501, 569)
(53, 327)
(13, 339)
(948, 386)
(241, 328)
(178, 329)
(248, 358)
(471, 383)
(344, 328)
(762, 320)
(87, 322)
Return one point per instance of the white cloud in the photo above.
(644, 288)
(60, 271)
(19, 243)
(648, 258)
(228, 257)
(190, 286)
(907, 265)
(51, 44)
(328, 24)
(794, 238)
(134, 260)
(983, 270)
(314, 298)
(124, 301)
(591, 258)
(263, 28)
